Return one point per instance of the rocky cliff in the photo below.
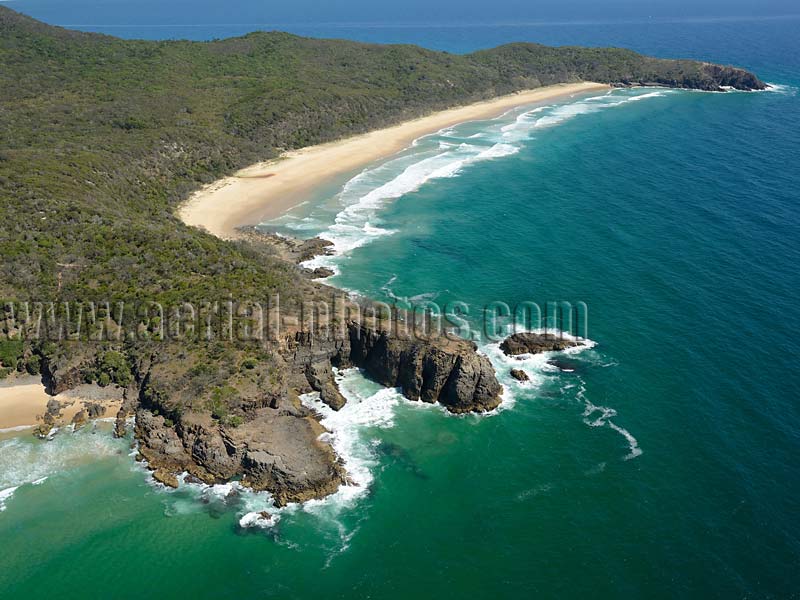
(270, 440)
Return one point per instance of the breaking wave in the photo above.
(443, 155)
(26, 461)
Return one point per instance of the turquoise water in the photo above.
(665, 465)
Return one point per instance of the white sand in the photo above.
(266, 190)
(24, 401)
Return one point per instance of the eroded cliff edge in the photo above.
(220, 411)
(268, 438)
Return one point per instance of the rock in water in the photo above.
(450, 372)
(520, 375)
(165, 477)
(80, 419)
(320, 378)
(535, 343)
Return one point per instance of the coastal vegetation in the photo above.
(101, 139)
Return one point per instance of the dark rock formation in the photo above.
(446, 371)
(278, 453)
(274, 442)
(94, 410)
(708, 77)
(80, 419)
(565, 366)
(322, 273)
(739, 79)
(535, 343)
(320, 378)
(291, 250)
(64, 372)
(520, 375)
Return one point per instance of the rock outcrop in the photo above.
(278, 453)
(535, 343)
(320, 378)
(270, 440)
(447, 371)
(520, 375)
(733, 77)
(708, 77)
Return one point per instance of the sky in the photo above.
(398, 11)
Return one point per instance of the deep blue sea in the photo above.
(664, 463)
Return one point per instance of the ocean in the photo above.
(663, 462)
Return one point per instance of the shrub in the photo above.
(33, 365)
(10, 353)
(219, 402)
(115, 367)
(232, 421)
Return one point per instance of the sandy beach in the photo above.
(24, 401)
(266, 190)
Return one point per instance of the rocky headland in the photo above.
(218, 412)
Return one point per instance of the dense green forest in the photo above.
(100, 139)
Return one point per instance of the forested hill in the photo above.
(100, 138)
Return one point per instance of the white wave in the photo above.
(498, 151)
(356, 226)
(521, 127)
(368, 406)
(364, 196)
(26, 461)
(778, 88)
(633, 444)
(600, 416)
(16, 429)
(259, 520)
(5, 495)
(538, 369)
(594, 104)
(536, 366)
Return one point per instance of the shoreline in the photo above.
(266, 190)
(23, 403)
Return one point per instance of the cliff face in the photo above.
(272, 441)
(448, 371)
(275, 451)
(733, 77)
(708, 77)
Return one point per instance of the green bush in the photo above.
(10, 353)
(114, 366)
(233, 421)
(220, 399)
(33, 365)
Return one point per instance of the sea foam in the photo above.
(26, 461)
(446, 154)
